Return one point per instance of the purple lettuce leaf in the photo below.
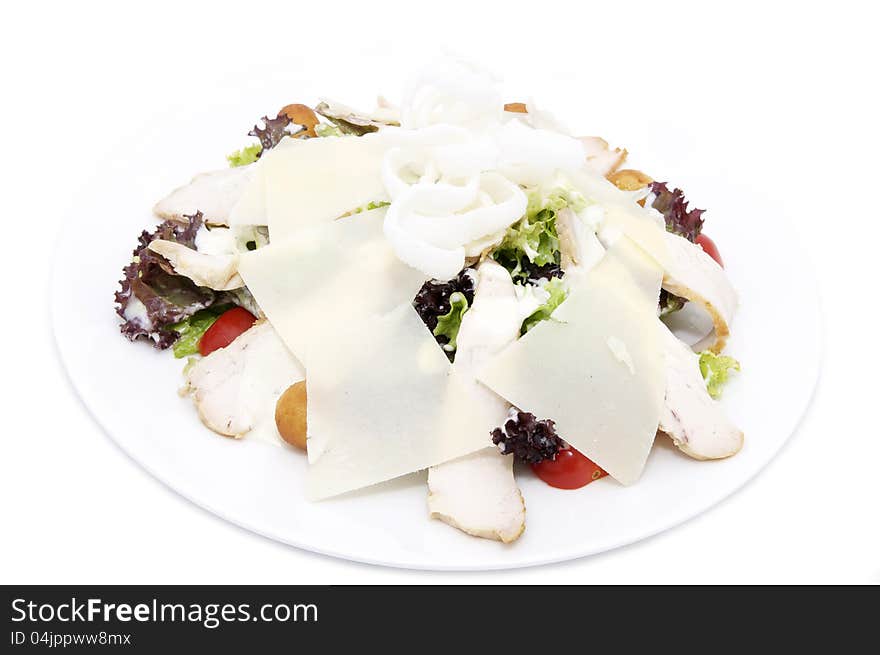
(273, 131)
(674, 207)
(152, 297)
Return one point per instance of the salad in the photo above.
(452, 284)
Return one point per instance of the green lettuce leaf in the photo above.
(245, 156)
(715, 370)
(191, 330)
(530, 248)
(556, 288)
(190, 362)
(327, 129)
(449, 324)
(347, 120)
(669, 303)
(375, 204)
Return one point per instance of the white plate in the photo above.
(131, 390)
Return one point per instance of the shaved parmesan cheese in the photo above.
(385, 408)
(687, 270)
(642, 227)
(619, 350)
(329, 278)
(251, 206)
(616, 213)
(383, 400)
(309, 181)
(564, 370)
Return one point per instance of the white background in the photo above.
(785, 95)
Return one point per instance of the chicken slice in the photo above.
(385, 114)
(579, 247)
(695, 422)
(235, 388)
(692, 274)
(214, 194)
(600, 157)
(219, 272)
(478, 493)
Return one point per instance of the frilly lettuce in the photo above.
(159, 305)
(435, 301)
(558, 292)
(674, 207)
(449, 324)
(247, 155)
(152, 297)
(530, 248)
(370, 206)
(273, 130)
(326, 129)
(715, 370)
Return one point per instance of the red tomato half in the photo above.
(710, 248)
(224, 330)
(570, 470)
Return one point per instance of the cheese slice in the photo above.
(383, 401)
(641, 227)
(564, 370)
(687, 270)
(304, 182)
(327, 279)
(250, 208)
(623, 216)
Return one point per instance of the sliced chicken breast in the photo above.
(695, 422)
(214, 194)
(235, 388)
(692, 274)
(219, 272)
(478, 494)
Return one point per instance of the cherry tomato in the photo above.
(710, 248)
(570, 470)
(224, 330)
